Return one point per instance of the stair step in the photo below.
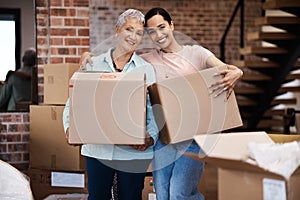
(268, 113)
(255, 63)
(262, 50)
(289, 89)
(276, 20)
(255, 77)
(249, 102)
(277, 4)
(245, 102)
(268, 123)
(259, 64)
(293, 76)
(273, 112)
(270, 36)
(257, 90)
(248, 90)
(284, 101)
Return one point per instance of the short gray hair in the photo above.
(130, 13)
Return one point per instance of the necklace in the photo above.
(116, 67)
(164, 67)
(162, 52)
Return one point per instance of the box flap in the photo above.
(233, 146)
(230, 151)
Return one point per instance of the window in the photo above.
(10, 36)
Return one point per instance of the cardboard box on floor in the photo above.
(44, 182)
(56, 82)
(238, 179)
(284, 138)
(208, 185)
(48, 146)
(107, 108)
(183, 107)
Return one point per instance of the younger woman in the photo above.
(176, 176)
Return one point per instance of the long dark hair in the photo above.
(158, 11)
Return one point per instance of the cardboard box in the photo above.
(208, 185)
(183, 107)
(41, 183)
(107, 108)
(56, 82)
(48, 146)
(240, 179)
(284, 138)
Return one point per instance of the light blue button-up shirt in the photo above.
(104, 63)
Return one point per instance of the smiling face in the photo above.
(160, 32)
(130, 34)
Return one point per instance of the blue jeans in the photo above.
(100, 179)
(176, 176)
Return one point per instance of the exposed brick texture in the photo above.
(14, 139)
(62, 33)
(203, 21)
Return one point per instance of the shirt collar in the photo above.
(107, 57)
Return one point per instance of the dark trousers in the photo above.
(101, 174)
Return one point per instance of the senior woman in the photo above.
(129, 162)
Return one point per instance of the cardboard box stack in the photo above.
(55, 166)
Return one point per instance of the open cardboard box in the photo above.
(107, 108)
(183, 107)
(239, 179)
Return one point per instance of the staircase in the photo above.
(271, 68)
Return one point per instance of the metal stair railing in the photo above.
(239, 5)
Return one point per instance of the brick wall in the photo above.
(63, 33)
(14, 139)
(204, 21)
